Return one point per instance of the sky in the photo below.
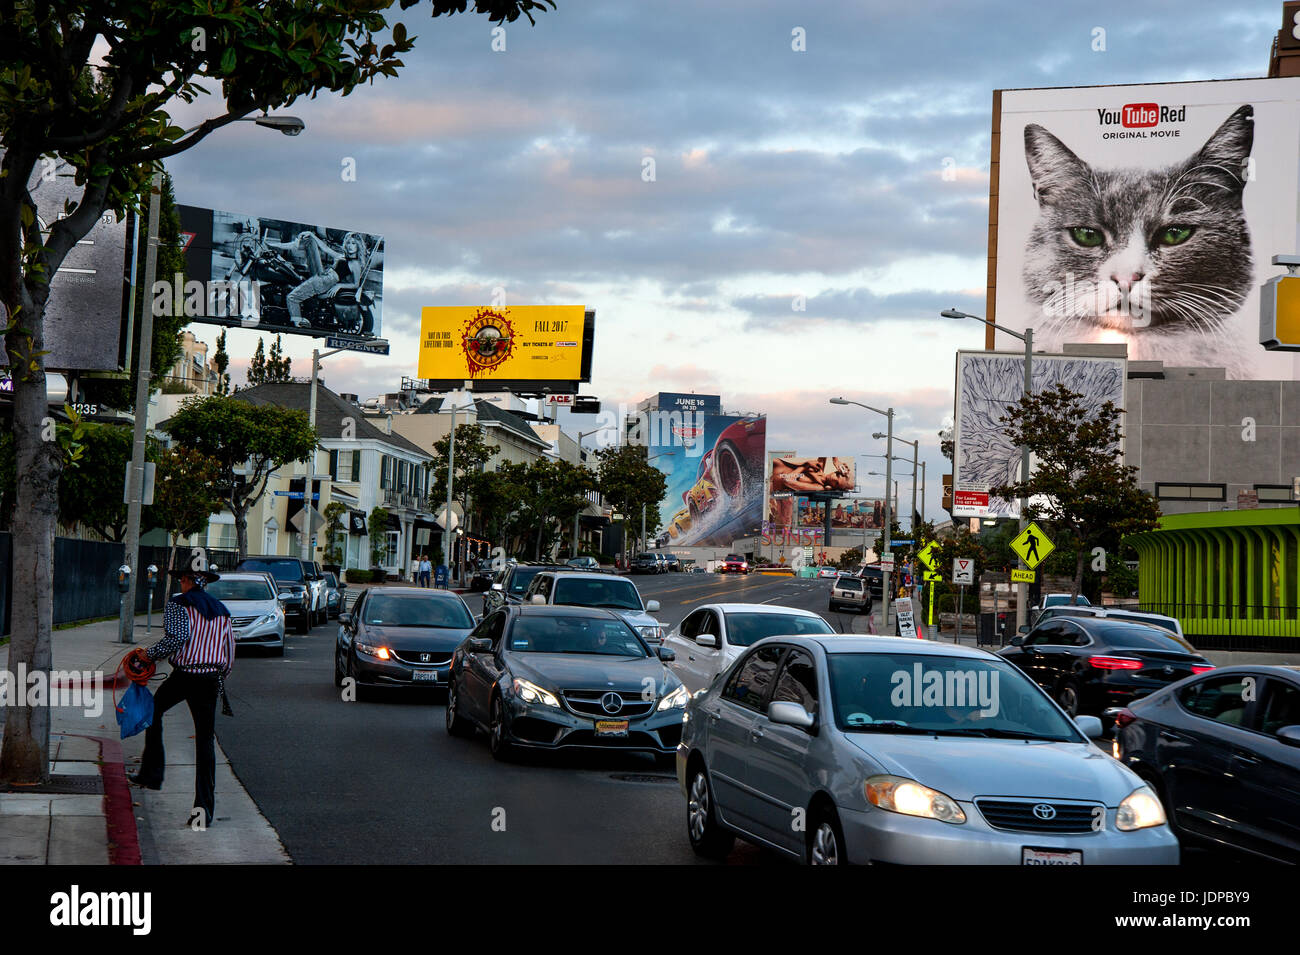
(782, 178)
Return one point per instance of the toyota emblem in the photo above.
(426, 657)
(1045, 812)
(611, 703)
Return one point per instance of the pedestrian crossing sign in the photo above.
(1032, 545)
(926, 554)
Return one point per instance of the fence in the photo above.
(85, 578)
(1237, 626)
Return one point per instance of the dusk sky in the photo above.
(778, 174)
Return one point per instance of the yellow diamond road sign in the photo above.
(926, 554)
(1032, 545)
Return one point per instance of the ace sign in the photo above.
(963, 570)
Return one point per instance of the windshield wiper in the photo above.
(994, 733)
(888, 726)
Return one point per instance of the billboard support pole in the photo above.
(1022, 589)
(135, 482)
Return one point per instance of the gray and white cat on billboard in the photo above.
(1159, 259)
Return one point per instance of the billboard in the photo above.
(83, 316)
(676, 401)
(527, 347)
(714, 488)
(984, 456)
(845, 513)
(1148, 216)
(284, 277)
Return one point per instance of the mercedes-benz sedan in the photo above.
(564, 677)
(844, 749)
(256, 611)
(400, 637)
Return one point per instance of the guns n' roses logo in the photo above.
(488, 340)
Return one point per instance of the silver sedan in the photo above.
(884, 749)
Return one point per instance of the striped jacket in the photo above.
(194, 644)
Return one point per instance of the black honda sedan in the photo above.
(400, 636)
(1222, 751)
(1090, 665)
(547, 677)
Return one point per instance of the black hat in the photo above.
(193, 567)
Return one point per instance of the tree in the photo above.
(113, 125)
(185, 494)
(248, 442)
(378, 528)
(850, 558)
(91, 493)
(564, 489)
(257, 369)
(472, 452)
(221, 360)
(277, 366)
(629, 482)
(335, 512)
(1080, 484)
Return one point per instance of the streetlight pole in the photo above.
(661, 454)
(290, 126)
(889, 516)
(451, 475)
(916, 445)
(1022, 589)
(581, 435)
(304, 551)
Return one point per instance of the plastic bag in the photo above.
(134, 710)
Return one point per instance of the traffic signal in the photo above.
(585, 404)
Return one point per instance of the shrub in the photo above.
(357, 575)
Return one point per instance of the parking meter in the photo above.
(152, 571)
(123, 579)
(152, 580)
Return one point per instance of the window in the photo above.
(595, 592)
(749, 686)
(385, 471)
(222, 536)
(691, 625)
(1054, 633)
(1274, 493)
(1281, 706)
(491, 629)
(1192, 492)
(797, 682)
(334, 465)
(1222, 699)
(709, 624)
(572, 634)
(392, 547)
(744, 629)
(416, 610)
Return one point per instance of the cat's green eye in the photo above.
(1088, 238)
(1175, 234)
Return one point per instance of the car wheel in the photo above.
(303, 625)
(729, 467)
(457, 725)
(338, 670)
(708, 838)
(1068, 696)
(497, 731)
(826, 838)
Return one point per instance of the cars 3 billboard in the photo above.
(715, 496)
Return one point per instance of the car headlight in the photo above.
(532, 693)
(673, 700)
(907, 796)
(1140, 809)
(652, 632)
(374, 650)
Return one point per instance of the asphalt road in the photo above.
(380, 781)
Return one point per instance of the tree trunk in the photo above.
(1078, 574)
(25, 754)
(241, 529)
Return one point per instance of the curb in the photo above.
(119, 813)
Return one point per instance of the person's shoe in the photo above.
(143, 784)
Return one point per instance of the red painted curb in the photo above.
(119, 813)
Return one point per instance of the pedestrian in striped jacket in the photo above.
(199, 643)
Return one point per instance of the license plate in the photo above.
(611, 727)
(426, 676)
(1030, 856)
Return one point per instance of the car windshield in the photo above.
(559, 634)
(947, 696)
(287, 570)
(744, 629)
(522, 577)
(416, 610)
(735, 557)
(1139, 636)
(1063, 600)
(226, 589)
(590, 592)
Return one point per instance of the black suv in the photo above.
(514, 581)
(293, 579)
(645, 564)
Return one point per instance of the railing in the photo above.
(394, 498)
(1235, 626)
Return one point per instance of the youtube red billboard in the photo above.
(1147, 216)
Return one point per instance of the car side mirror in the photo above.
(1090, 725)
(666, 654)
(345, 619)
(1023, 628)
(790, 714)
(497, 587)
(1289, 735)
(1018, 640)
(707, 640)
(652, 607)
(480, 645)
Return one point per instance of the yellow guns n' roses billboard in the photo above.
(527, 345)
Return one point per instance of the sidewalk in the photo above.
(91, 814)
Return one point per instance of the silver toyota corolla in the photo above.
(887, 749)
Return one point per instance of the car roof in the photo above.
(271, 557)
(560, 610)
(570, 573)
(243, 575)
(845, 643)
(1114, 613)
(412, 591)
(757, 608)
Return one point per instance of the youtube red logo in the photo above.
(1139, 115)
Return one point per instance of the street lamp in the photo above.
(581, 435)
(451, 475)
(290, 126)
(661, 454)
(309, 477)
(889, 517)
(916, 447)
(1022, 591)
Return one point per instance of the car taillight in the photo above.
(1115, 663)
(1124, 717)
(1202, 667)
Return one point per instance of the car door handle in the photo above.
(689, 657)
(713, 715)
(756, 733)
(1243, 757)
(1167, 737)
